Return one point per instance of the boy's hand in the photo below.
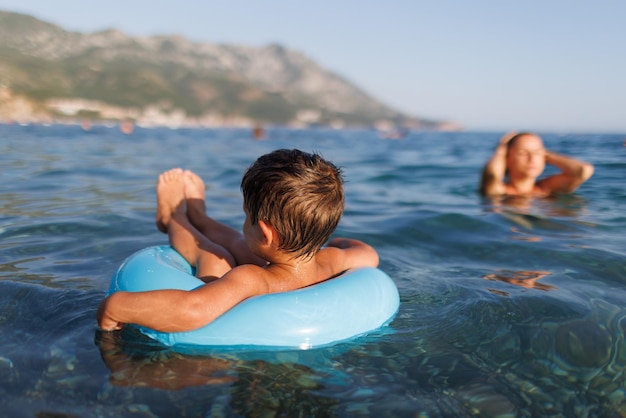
(105, 322)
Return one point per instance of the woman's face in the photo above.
(526, 157)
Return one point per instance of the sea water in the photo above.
(508, 308)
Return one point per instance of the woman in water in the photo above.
(522, 158)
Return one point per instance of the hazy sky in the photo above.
(546, 65)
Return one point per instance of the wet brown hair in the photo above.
(299, 194)
(515, 138)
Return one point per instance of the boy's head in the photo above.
(299, 194)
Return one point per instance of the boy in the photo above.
(293, 202)
(523, 158)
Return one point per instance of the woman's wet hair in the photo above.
(515, 138)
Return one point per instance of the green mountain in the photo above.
(270, 84)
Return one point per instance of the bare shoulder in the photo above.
(559, 183)
(248, 273)
(343, 254)
(491, 184)
(493, 190)
(242, 281)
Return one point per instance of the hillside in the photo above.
(111, 75)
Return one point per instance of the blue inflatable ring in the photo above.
(349, 305)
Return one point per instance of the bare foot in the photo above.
(170, 196)
(194, 195)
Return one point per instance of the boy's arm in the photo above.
(179, 310)
(573, 174)
(492, 180)
(355, 253)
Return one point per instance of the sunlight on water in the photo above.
(508, 308)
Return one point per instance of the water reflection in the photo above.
(160, 369)
(257, 386)
(524, 278)
(567, 206)
(536, 219)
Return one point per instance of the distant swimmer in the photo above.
(127, 126)
(258, 133)
(519, 160)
